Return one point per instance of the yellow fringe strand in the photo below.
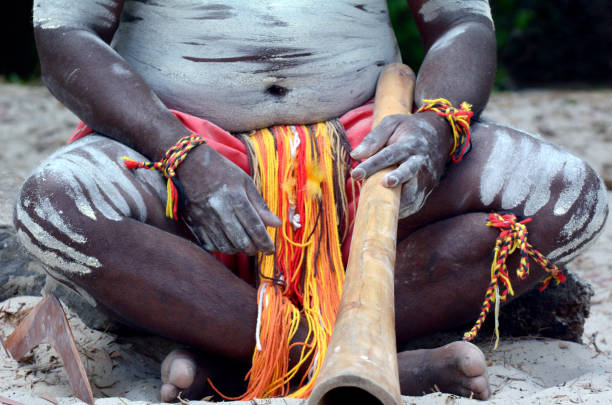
(295, 167)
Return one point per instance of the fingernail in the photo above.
(357, 151)
(358, 174)
(392, 181)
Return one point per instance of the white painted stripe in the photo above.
(593, 229)
(518, 173)
(432, 9)
(551, 162)
(71, 174)
(492, 177)
(574, 174)
(45, 210)
(49, 241)
(580, 216)
(51, 259)
(447, 39)
(50, 14)
(56, 275)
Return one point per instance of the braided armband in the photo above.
(513, 235)
(176, 198)
(459, 120)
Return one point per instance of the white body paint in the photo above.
(326, 54)
(574, 175)
(520, 172)
(51, 14)
(50, 258)
(45, 210)
(432, 9)
(54, 276)
(90, 171)
(580, 239)
(426, 126)
(120, 71)
(447, 39)
(94, 180)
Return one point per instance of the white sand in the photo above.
(33, 124)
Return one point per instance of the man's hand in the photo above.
(419, 144)
(224, 210)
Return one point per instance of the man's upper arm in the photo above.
(98, 16)
(435, 17)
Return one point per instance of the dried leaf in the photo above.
(8, 401)
(49, 397)
(102, 370)
(181, 400)
(114, 354)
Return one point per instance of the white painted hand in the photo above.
(418, 144)
(224, 210)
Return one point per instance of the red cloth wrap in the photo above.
(357, 124)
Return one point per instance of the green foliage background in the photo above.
(540, 42)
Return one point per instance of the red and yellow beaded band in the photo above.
(459, 120)
(513, 235)
(176, 199)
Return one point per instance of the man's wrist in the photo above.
(443, 139)
(161, 135)
(458, 119)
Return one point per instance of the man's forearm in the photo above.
(459, 66)
(94, 82)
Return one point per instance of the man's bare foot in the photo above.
(457, 368)
(178, 373)
(187, 372)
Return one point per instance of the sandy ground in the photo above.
(525, 371)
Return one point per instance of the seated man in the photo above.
(100, 228)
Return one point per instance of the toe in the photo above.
(178, 372)
(479, 386)
(470, 359)
(168, 393)
(182, 373)
(168, 362)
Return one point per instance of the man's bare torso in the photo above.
(251, 64)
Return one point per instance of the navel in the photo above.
(277, 91)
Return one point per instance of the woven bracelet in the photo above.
(459, 120)
(176, 199)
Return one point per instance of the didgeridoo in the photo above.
(360, 366)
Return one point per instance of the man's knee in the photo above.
(49, 227)
(584, 208)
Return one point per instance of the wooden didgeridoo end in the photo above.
(360, 365)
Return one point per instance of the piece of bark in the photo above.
(558, 312)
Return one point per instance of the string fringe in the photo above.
(513, 236)
(295, 168)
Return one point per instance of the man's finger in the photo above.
(232, 227)
(222, 244)
(257, 201)
(388, 156)
(375, 140)
(203, 239)
(254, 226)
(404, 172)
